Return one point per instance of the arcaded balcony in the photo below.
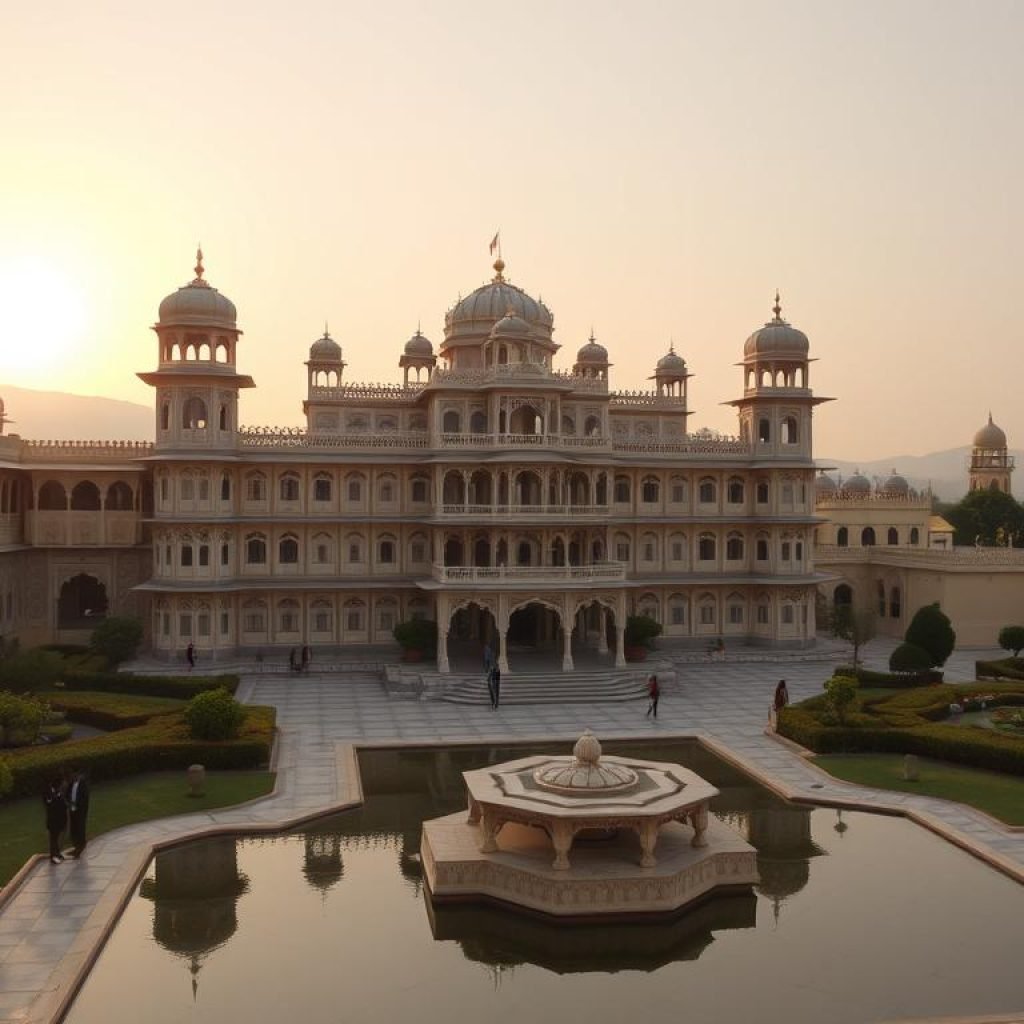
(457, 510)
(83, 529)
(601, 572)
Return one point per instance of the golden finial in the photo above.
(591, 339)
(199, 263)
(499, 266)
(326, 332)
(777, 308)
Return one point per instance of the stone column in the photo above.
(602, 637)
(442, 650)
(503, 651)
(567, 665)
(620, 644)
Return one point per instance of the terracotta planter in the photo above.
(636, 654)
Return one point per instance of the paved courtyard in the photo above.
(49, 928)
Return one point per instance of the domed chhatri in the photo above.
(325, 349)
(824, 484)
(777, 339)
(197, 303)
(592, 352)
(419, 345)
(990, 436)
(536, 803)
(896, 484)
(511, 326)
(991, 462)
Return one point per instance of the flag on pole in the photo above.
(496, 243)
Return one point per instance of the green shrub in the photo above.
(58, 732)
(892, 680)
(117, 639)
(931, 630)
(6, 778)
(1011, 638)
(641, 631)
(1008, 668)
(416, 635)
(163, 744)
(20, 719)
(112, 711)
(214, 715)
(25, 671)
(909, 658)
(180, 687)
(841, 695)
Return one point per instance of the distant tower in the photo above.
(196, 383)
(777, 403)
(991, 466)
(418, 356)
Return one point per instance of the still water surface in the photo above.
(858, 918)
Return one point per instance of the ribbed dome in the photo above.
(777, 338)
(198, 304)
(592, 352)
(511, 326)
(325, 350)
(671, 362)
(492, 301)
(857, 484)
(896, 484)
(585, 775)
(825, 484)
(419, 345)
(990, 436)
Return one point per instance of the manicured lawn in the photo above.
(123, 802)
(1002, 796)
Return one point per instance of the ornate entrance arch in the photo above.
(82, 602)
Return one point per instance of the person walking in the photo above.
(190, 655)
(653, 693)
(306, 657)
(56, 816)
(779, 701)
(293, 660)
(78, 808)
(488, 658)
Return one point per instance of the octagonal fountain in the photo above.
(639, 834)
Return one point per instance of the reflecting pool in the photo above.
(857, 918)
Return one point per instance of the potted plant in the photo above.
(639, 636)
(417, 638)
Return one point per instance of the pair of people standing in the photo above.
(67, 803)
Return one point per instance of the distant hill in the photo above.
(58, 416)
(946, 471)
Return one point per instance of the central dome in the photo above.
(777, 338)
(479, 311)
(198, 304)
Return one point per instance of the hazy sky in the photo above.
(656, 170)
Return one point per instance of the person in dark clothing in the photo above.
(653, 692)
(293, 660)
(78, 811)
(190, 656)
(306, 658)
(56, 817)
(781, 696)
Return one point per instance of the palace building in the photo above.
(512, 502)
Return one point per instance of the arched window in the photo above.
(706, 611)
(650, 490)
(915, 535)
(85, 497)
(225, 488)
(322, 488)
(893, 536)
(478, 422)
(223, 418)
(650, 548)
(255, 487)
(842, 537)
(452, 422)
(119, 497)
(419, 491)
(706, 547)
(622, 490)
(735, 610)
(736, 493)
(386, 551)
(289, 487)
(204, 554)
(789, 430)
(677, 610)
(288, 550)
(678, 490)
(592, 427)
(734, 547)
(355, 547)
(185, 555)
(895, 608)
(761, 549)
(288, 616)
(255, 551)
(353, 616)
(707, 493)
(355, 488)
(193, 414)
(165, 416)
(322, 616)
(762, 492)
(764, 431)
(622, 547)
(867, 537)
(387, 490)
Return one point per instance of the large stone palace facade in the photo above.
(509, 501)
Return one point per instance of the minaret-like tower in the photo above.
(775, 410)
(418, 357)
(991, 465)
(196, 382)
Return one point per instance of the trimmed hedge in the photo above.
(179, 687)
(1008, 668)
(163, 744)
(110, 711)
(910, 723)
(892, 680)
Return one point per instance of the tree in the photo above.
(909, 658)
(416, 635)
(841, 693)
(214, 715)
(117, 639)
(857, 626)
(931, 630)
(1011, 638)
(641, 630)
(989, 518)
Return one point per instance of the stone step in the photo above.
(550, 688)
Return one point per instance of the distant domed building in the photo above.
(991, 463)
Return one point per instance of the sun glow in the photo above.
(43, 321)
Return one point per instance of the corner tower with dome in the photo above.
(514, 502)
(991, 464)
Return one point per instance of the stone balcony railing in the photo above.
(684, 445)
(647, 400)
(521, 511)
(297, 437)
(365, 392)
(506, 373)
(520, 441)
(99, 528)
(600, 572)
(50, 451)
(939, 558)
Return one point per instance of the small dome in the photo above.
(825, 484)
(990, 436)
(777, 338)
(896, 484)
(671, 362)
(198, 304)
(511, 326)
(325, 350)
(585, 775)
(592, 352)
(857, 484)
(492, 301)
(419, 345)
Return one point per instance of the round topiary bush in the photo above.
(841, 696)
(20, 719)
(909, 658)
(214, 715)
(931, 630)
